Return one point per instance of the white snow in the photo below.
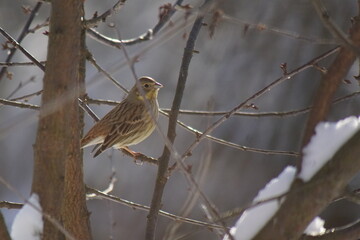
(28, 223)
(329, 137)
(255, 218)
(316, 227)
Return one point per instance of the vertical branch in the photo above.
(330, 83)
(58, 177)
(164, 159)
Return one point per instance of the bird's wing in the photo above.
(123, 130)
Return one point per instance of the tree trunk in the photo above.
(58, 170)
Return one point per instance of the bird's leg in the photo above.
(131, 152)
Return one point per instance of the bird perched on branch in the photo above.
(130, 122)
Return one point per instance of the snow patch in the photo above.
(28, 223)
(328, 138)
(255, 218)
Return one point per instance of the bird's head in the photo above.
(149, 88)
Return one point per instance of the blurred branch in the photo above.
(263, 27)
(192, 197)
(20, 86)
(10, 205)
(23, 50)
(91, 59)
(101, 195)
(23, 33)
(102, 18)
(148, 35)
(328, 86)
(331, 26)
(28, 96)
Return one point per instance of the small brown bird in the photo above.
(128, 123)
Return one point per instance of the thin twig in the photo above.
(23, 50)
(148, 35)
(18, 104)
(91, 59)
(39, 26)
(10, 205)
(11, 64)
(254, 96)
(133, 205)
(20, 86)
(264, 27)
(164, 37)
(192, 196)
(37, 93)
(151, 160)
(97, 19)
(166, 111)
(23, 33)
(233, 145)
(331, 26)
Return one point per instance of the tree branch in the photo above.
(254, 96)
(18, 104)
(161, 178)
(23, 33)
(10, 205)
(294, 215)
(97, 19)
(148, 35)
(23, 50)
(101, 195)
(328, 86)
(351, 231)
(333, 29)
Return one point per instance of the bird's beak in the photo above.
(158, 85)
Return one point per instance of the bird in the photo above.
(130, 122)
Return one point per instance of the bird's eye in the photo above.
(146, 85)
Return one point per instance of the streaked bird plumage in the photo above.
(130, 122)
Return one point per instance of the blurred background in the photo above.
(230, 67)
